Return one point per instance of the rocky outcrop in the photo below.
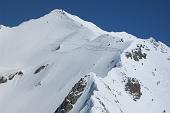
(136, 54)
(4, 78)
(133, 87)
(40, 68)
(11, 76)
(72, 97)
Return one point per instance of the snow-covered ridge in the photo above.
(60, 63)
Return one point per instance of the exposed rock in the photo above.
(55, 47)
(136, 53)
(3, 79)
(164, 111)
(158, 83)
(40, 68)
(11, 76)
(72, 97)
(168, 58)
(128, 55)
(20, 73)
(133, 87)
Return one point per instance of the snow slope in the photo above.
(60, 63)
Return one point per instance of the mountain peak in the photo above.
(61, 63)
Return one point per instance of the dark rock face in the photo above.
(128, 55)
(164, 111)
(57, 48)
(40, 68)
(11, 76)
(136, 53)
(72, 97)
(168, 58)
(133, 87)
(6, 77)
(3, 79)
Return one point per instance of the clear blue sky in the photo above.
(143, 18)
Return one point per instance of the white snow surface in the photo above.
(70, 48)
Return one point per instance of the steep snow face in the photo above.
(60, 63)
(34, 38)
(138, 85)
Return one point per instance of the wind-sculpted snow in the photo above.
(60, 63)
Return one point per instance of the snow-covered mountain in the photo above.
(60, 63)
